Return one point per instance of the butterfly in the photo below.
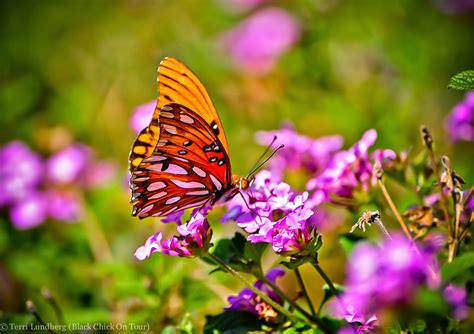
(181, 159)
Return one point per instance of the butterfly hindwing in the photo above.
(176, 84)
(188, 167)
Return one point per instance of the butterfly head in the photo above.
(242, 182)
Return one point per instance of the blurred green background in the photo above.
(77, 70)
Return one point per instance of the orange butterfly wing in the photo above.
(187, 168)
(176, 84)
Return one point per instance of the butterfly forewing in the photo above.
(188, 167)
(176, 84)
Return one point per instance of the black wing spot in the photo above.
(187, 143)
(165, 166)
(214, 127)
(213, 159)
(221, 162)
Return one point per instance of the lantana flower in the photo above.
(142, 115)
(194, 240)
(256, 43)
(349, 171)
(276, 215)
(385, 276)
(460, 122)
(35, 189)
(300, 152)
(248, 301)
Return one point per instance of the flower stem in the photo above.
(324, 277)
(378, 171)
(284, 296)
(30, 307)
(249, 285)
(299, 277)
(428, 141)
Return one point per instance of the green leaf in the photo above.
(460, 265)
(254, 252)
(328, 294)
(294, 262)
(238, 253)
(418, 326)
(232, 322)
(462, 81)
(432, 303)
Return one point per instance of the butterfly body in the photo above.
(181, 159)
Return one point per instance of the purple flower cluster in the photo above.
(460, 122)
(457, 297)
(349, 171)
(194, 240)
(300, 152)
(275, 215)
(248, 301)
(380, 277)
(35, 190)
(142, 115)
(256, 43)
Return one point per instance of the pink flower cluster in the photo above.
(193, 240)
(34, 190)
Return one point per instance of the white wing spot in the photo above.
(155, 167)
(199, 172)
(186, 119)
(166, 114)
(166, 108)
(156, 186)
(159, 195)
(188, 185)
(181, 159)
(156, 158)
(177, 170)
(143, 212)
(170, 129)
(216, 182)
(173, 200)
(198, 193)
(140, 179)
(192, 205)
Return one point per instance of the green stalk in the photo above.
(284, 296)
(305, 291)
(249, 285)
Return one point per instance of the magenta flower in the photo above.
(63, 206)
(347, 172)
(256, 44)
(29, 212)
(34, 191)
(21, 171)
(194, 240)
(460, 122)
(248, 301)
(457, 297)
(278, 216)
(142, 115)
(67, 166)
(98, 173)
(385, 276)
(300, 152)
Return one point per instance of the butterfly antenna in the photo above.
(247, 204)
(256, 169)
(263, 154)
